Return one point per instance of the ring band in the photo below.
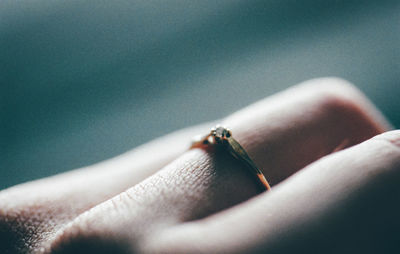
(220, 135)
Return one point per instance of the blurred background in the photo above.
(83, 81)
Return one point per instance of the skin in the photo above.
(165, 198)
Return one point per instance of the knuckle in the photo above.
(383, 155)
(334, 97)
(343, 104)
(384, 151)
(337, 94)
(389, 149)
(391, 137)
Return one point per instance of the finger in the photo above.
(38, 209)
(202, 182)
(187, 189)
(288, 131)
(346, 202)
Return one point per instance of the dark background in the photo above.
(82, 81)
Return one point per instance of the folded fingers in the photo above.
(282, 134)
(347, 202)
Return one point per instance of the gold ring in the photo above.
(222, 136)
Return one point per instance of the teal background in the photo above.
(83, 81)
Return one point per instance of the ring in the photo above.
(222, 136)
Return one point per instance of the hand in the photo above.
(164, 198)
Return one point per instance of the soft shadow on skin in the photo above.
(85, 245)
